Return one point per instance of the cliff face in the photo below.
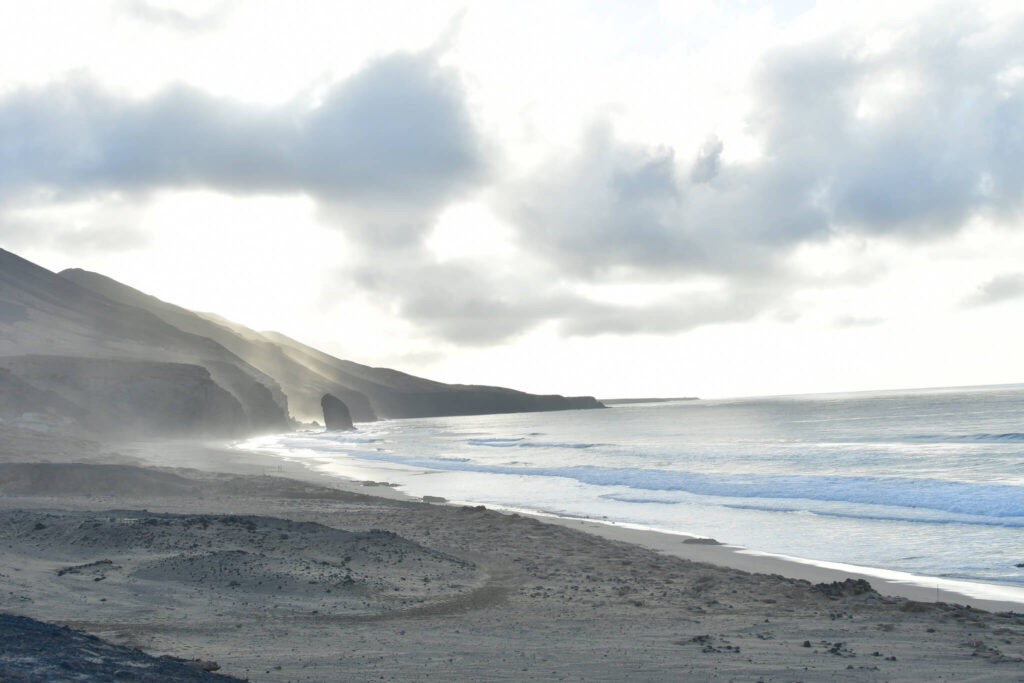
(128, 397)
(112, 358)
(79, 345)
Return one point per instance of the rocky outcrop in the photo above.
(36, 651)
(336, 415)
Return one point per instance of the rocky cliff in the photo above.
(128, 397)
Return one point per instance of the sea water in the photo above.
(929, 482)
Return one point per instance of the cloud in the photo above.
(616, 209)
(20, 233)
(729, 305)
(478, 304)
(104, 223)
(102, 238)
(857, 321)
(894, 144)
(607, 205)
(387, 147)
(708, 162)
(464, 303)
(1000, 288)
(907, 143)
(900, 144)
(175, 19)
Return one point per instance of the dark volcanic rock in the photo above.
(336, 415)
(32, 650)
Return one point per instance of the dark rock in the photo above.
(32, 650)
(336, 415)
(843, 589)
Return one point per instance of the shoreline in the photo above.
(886, 581)
(278, 573)
(920, 588)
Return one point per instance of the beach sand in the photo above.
(278, 573)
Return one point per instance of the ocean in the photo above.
(928, 482)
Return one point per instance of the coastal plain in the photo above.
(278, 573)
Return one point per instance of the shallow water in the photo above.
(927, 482)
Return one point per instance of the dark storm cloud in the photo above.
(394, 141)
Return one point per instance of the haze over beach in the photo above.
(342, 342)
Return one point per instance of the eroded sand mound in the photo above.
(192, 568)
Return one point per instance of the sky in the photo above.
(707, 198)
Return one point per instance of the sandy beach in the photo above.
(278, 573)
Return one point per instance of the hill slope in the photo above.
(88, 348)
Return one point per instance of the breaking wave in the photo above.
(985, 500)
